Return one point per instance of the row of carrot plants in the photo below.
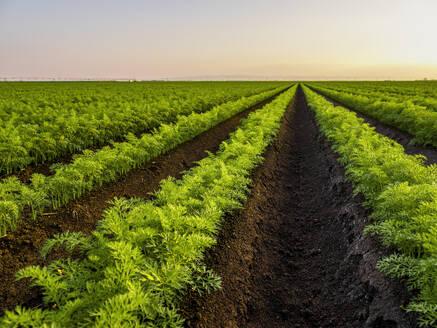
(93, 168)
(420, 122)
(415, 93)
(143, 255)
(41, 121)
(400, 190)
(422, 88)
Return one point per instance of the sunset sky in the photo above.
(289, 39)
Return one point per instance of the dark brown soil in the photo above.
(401, 137)
(295, 255)
(21, 248)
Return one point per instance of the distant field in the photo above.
(41, 121)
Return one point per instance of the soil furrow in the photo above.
(21, 248)
(393, 133)
(295, 255)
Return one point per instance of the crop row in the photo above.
(400, 190)
(93, 168)
(417, 121)
(40, 122)
(423, 89)
(144, 254)
(416, 99)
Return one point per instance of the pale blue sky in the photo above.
(189, 38)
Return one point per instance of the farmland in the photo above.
(218, 204)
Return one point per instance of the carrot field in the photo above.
(218, 204)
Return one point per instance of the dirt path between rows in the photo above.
(295, 255)
(21, 248)
(393, 133)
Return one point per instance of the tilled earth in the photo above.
(295, 255)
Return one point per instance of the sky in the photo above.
(225, 39)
